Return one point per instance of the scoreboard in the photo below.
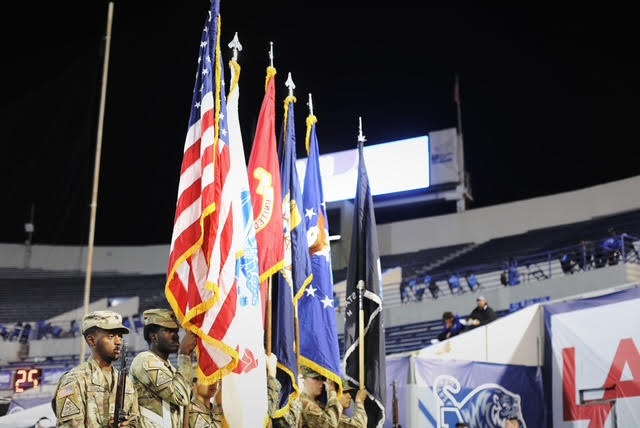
(20, 379)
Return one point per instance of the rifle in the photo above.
(396, 422)
(119, 413)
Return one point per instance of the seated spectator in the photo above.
(504, 280)
(404, 292)
(566, 263)
(25, 334)
(482, 314)
(74, 331)
(419, 291)
(514, 275)
(17, 331)
(584, 255)
(433, 289)
(4, 332)
(451, 326)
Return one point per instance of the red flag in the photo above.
(266, 186)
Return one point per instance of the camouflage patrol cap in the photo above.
(307, 372)
(106, 320)
(347, 386)
(162, 317)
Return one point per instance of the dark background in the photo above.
(548, 98)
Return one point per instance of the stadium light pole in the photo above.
(96, 171)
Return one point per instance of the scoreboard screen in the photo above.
(26, 378)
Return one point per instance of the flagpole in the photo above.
(96, 170)
(360, 287)
(296, 320)
(269, 319)
(269, 315)
(462, 204)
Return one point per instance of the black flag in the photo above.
(364, 265)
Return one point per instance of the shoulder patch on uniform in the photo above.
(162, 378)
(155, 364)
(65, 392)
(69, 408)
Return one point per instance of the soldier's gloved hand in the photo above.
(272, 363)
(188, 343)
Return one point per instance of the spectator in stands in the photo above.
(74, 331)
(567, 263)
(612, 247)
(336, 301)
(432, 286)
(419, 289)
(25, 333)
(163, 391)
(404, 292)
(482, 314)
(451, 326)
(17, 332)
(584, 255)
(4, 332)
(514, 275)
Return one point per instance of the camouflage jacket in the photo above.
(163, 391)
(85, 397)
(357, 420)
(290, 419)
(202, 417)
(315, 415)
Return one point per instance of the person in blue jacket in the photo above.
(452, 326)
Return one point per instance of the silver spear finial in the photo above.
(361, 138)
(289, 84)
(310, 105)
(271, 54)
(236, 46)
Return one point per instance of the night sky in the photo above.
(549, 98)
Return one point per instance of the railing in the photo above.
(521, 267)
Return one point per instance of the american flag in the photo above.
(198, 286)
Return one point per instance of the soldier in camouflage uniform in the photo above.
(86, 395)
(359, 417)
(292, 417)
(163, 391)
(203, 411)
(314, 413)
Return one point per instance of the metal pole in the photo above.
(361, 375)
(96, 170)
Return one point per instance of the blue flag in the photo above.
(296, 274)
(319, 347)
(364, 269)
